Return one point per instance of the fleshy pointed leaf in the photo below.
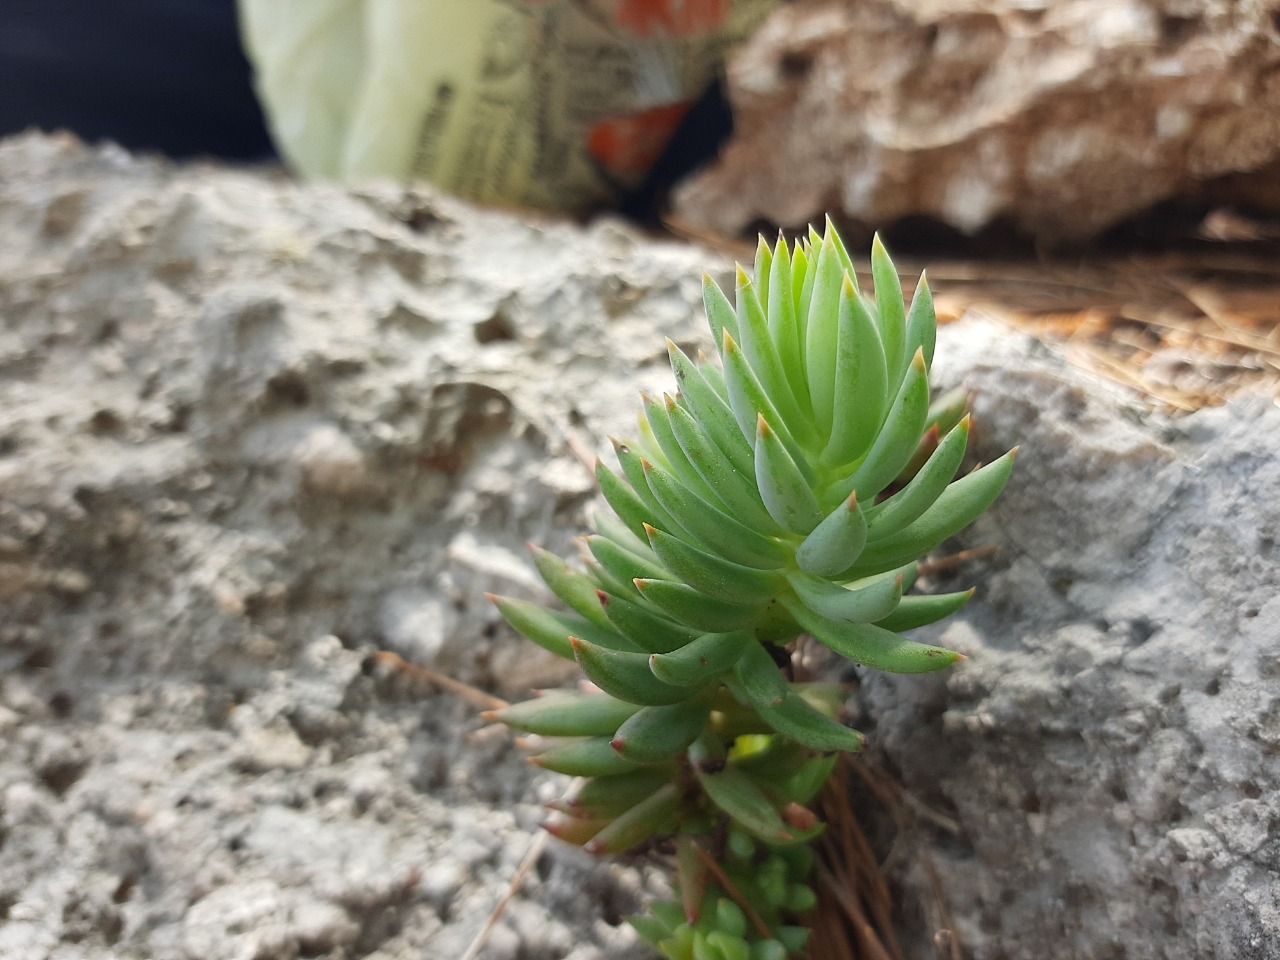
(803, 262)
(805, 784)
(610, 796)
(714, 576)
(835, 544)
(923, 609)
(583, 758)
(657, 413)
(797, 720)
(762, 355)
(864, 602)
(626, 676)
(830, 232)
(606, 582)
(920, 456)
(691, 877)
(861, 381)
(870, 645)
(959, 505)
(922, 492)
(710, 526)
(746, 804)
(566, 715)
(785, 329)
(608, 525)
(574, 589)
(721, 315)
(551, 629)
(686, 605)
(784, 489)
(734, 490)
(893, 314)
(574, 830)
(710, 410)
(922, 323)
(947, 410)
(822, 333)
(702, 660)
(632, 464)
(655, 815)
(624, 501)
(646, 444)
(897, 439)
(660, 733)
(643, 625)
(761, 268)
(624, 563)
(749, 401)
(758, 678)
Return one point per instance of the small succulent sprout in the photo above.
(788, 485)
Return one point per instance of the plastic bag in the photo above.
(545, 103)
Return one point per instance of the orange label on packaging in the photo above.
(628, 147)
(542, 103)
(671, 18)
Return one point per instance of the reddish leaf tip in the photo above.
(800, 817)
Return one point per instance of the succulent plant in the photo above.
(788, 489)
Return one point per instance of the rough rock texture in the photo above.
(252, 431)
(1062, 118)
(1111, 752)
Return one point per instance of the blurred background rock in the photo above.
(970, 125)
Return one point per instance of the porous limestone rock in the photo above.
(1058, 117)
(253, 431)
(1110, 753)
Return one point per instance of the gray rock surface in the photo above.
(253, 431)
(1111, 752)
(1059, 117)
(250, 433)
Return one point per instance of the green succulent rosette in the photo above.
(791, 487)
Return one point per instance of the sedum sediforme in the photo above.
(788, 488)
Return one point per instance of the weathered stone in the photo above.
(1109, 751)
(1059, 118)
(197, 762)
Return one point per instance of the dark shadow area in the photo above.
(151, 75)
